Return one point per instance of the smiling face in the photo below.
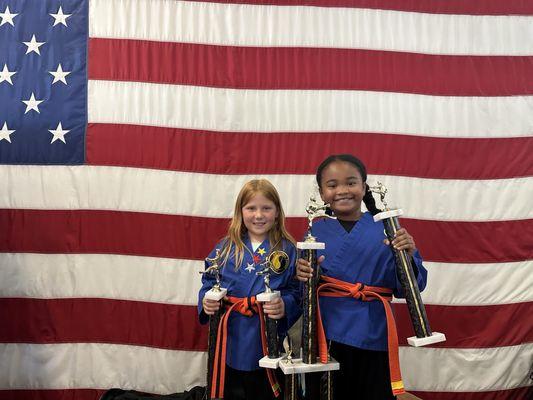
(343, 188)
(259, 216)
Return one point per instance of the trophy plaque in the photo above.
(406, 276)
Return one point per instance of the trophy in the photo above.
(308, 251)
(276, 263)
(309, 352)
(216, 293)
(406, 276)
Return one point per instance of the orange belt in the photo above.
(246, 306)
(331, 287)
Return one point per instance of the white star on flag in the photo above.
(7, 17)
(32, 104)
(250, 267)
(33, 45)
(59, 75)
(5, 133)
(5, 75)
(60, 18)
(59, 133)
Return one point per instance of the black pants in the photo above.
(247, 385)
(363, 374)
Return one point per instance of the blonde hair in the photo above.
(237, 229)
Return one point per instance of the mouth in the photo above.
(340, 199)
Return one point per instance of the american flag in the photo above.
(127, 128)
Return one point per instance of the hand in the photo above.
(403, 241)
(304, 270)
(210, 306)
(275, 309)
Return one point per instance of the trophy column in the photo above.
(309, 361)
(216, 293)
(308, 251)
(407, 278)
(276, 263)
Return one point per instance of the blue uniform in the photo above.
(358, 256)
(244, 333)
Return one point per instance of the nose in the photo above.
(341, 189)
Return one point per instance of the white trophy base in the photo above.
(271, 363)
(436, 337)
(387, 214)
(296, 366)
(268, 296)
(216, 295)
(310, 245)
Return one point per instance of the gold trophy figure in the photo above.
(406, 276)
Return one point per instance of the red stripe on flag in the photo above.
(228, 152)
(177, 236)
(92, 320)
(473, 326)
(488, 7)
(52, 394)
(89, 320)
(309, 68)
(523, 393)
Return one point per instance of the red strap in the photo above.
(246, 306)
(331, 287)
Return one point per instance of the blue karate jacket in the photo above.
(358, 256)
(244, 333)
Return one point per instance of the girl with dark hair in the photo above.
(356, 253)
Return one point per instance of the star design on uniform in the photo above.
(5, 133)
(257, 259)
(7, 17)
(60, 18)
(5, 75)
(33, 45)
(250, 267)
(32, 104)
(59, 133)
(59, 75)
(261, 251)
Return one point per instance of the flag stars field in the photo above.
(33, 45)
(5, 133)
(6, 74)
(59, 75)
(7, 17)
(60, 18)
(32, 104)
(59, 133)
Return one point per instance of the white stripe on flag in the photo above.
(177, 281)
(240, 110)
(150, 279)
(99, 366)
(466, 370)
(293, 26)
(169, 192)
